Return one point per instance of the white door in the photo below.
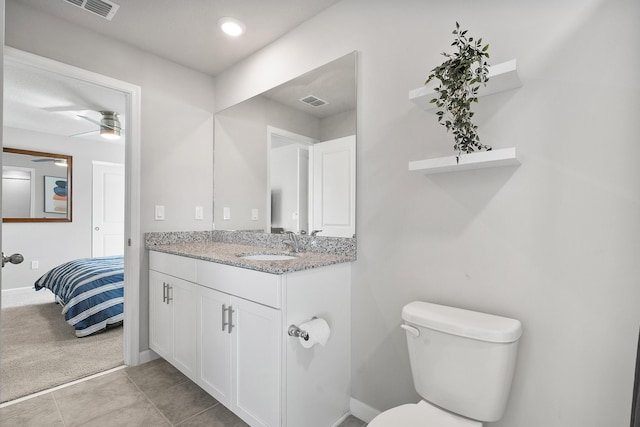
(214, 354)
(333, 184)
(182, 298)
(255, 363)
(160, 315)
(108, 210)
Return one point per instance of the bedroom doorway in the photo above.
(133, 242)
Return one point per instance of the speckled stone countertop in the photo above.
(230, 254)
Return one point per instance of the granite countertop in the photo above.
(230, 254)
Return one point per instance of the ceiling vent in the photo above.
(104, 8)
(314, 101)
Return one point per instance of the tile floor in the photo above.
(152, 394)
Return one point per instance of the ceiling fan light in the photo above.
(108, 133)
(231, 26)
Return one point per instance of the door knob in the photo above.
(13, 259)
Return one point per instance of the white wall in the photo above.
(177, 120)
(338, 125)
(54, 243)
(553, 243)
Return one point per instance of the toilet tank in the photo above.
(461, 360)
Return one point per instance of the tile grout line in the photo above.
(148, 400)
(60, 387)
(55, 401)
(195, 415)
(186, 380)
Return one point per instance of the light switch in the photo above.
(159, 213)
(34, 265)
(254, 214)
(226, 213)
(199, 212)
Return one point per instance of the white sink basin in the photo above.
(268, 257)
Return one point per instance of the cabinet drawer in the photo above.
(263, 288)
(173, 265)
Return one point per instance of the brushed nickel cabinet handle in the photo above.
(224, 318)
(230, 322)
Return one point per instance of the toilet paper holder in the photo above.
(295, 331)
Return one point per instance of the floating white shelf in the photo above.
(502, 77)
(476, 160)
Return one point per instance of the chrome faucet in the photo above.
(293, 241)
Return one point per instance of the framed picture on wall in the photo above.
(55, 194)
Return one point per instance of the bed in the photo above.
(90, 290)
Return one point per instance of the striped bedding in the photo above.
(90, 290)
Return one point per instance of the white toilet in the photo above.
(462, 363)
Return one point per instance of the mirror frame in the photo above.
(69, 160)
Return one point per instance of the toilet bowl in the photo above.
(421, 414)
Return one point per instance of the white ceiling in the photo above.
(183, 31)
(186, 31)
(42, 101)
(334, 83)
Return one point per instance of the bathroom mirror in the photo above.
(285, 159)
(36, 186)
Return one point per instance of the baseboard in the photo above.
(21, 288)
(341, 419)
(362, 411)
(26, 295)
(147, 356)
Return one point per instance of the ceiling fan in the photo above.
(108, 127)
(58, 162)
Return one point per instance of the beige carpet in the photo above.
(39, 350)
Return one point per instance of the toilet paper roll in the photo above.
(318, 330)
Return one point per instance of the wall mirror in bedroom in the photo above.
(36, 186)
(285, 159)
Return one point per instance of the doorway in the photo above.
(133, 242)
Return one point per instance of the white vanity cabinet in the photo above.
(172, 326)
(239, 321)
(243, 355)
(239, 355)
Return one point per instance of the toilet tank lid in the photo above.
(465, 323)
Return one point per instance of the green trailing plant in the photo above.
(460, 78)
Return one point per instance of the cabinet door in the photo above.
(213, 344)
(255, 363)
(182, 299)
(160, 315)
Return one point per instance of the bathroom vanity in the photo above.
(222, 320)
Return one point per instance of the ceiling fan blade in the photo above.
(91, 132)
(66, 108)
(43, 160)
(89, 119)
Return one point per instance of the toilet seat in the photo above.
(421, 414)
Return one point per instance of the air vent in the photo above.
(314, 101)
(104, 8)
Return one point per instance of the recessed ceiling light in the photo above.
(231, 26)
